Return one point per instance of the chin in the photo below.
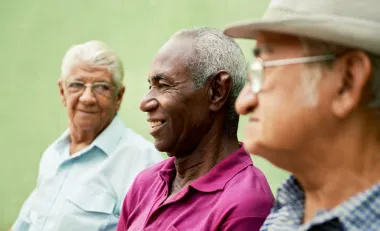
(251, 146)
(164, 146)
(160, 146)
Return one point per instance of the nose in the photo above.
(148, 103)
(246, 101)
(87, 96)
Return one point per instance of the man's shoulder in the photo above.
(148, 178)
(250, 192)
(136, 144)
(57, 146)
(132, 138)
(247, 178)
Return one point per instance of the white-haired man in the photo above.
(313, 96)
(85, 174)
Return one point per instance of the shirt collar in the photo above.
(110, 137)
(217, 177)
(365, 205)
(167, 171)
(220, 174)
(350, 213)
(107, 140)
(289, 192)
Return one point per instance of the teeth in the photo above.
(155, 123)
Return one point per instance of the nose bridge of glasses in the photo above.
(88, 89)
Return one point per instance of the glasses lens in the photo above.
(256, 75)
(102, 89)
(75, 86)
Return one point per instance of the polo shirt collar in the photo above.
(218, 176)
(223, 172)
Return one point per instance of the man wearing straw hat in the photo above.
(313, 100)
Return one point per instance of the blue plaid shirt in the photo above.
(360, 212)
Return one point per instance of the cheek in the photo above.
(274, 119)
(71, 103)
(107, 105)
(277, 115)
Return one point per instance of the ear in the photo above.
(219, 90)
(355, 70)
(119, 96)
(62, 92)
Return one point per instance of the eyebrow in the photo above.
(79, 79)
(257, 52)
(159, 77)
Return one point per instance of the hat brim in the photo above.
(340, 30)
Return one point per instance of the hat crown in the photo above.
(366, 10)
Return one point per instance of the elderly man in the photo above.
(85, 174)
(314, 102)
(209, 183)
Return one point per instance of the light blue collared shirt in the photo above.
(84, 191)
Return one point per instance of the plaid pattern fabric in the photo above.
(359, 213)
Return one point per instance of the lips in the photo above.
(253, 119)
(156, 125)
(88, 112)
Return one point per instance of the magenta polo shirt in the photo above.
(234, 195)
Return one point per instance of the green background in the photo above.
(35, 35)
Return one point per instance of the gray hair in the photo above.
(95, 54)
(213, 51)
(314, 47)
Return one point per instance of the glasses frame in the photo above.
(91, 85)
(256, 68)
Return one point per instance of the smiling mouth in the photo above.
(156, 123)
(87, 112)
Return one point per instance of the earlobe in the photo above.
(356, 68)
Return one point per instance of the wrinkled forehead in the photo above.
(171, 59)
(277, 44)
(84, 72)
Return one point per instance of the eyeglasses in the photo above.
(256, 69)
(100, 88)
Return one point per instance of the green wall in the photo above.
(34, 36)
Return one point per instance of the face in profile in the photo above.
(284, 115)
(176, 112)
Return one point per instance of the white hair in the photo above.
(213, 51)
(95, 54)
(314, 72)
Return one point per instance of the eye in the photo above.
(162, 85)
(76, 85)
(102, 87)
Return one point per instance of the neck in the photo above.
(209, 152)
(81, 139)
(347, 166)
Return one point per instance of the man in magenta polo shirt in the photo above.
(209, 181)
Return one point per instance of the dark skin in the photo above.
(187, 123)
